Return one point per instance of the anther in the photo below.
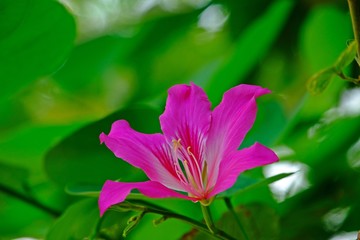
(176, 143)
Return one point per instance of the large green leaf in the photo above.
(81, 159)
(89, 62)
(27, 146)
(36, 37)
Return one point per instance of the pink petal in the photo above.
(231, 120)
(116, 192)
(247, 158)
(149, 152)
(187, 117)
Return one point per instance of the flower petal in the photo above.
(247, 158)
(116, 192)
(231, 120)
(187, 117)
(149, 152)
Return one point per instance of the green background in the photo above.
(68, 69)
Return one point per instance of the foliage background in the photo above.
(68, 69)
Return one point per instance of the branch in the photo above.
(28, 200)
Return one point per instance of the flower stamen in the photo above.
(197, 167)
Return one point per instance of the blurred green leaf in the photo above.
(94, 191)
(320, 80)
(30, 46)
(244, 184)
(83, 190)
(157, 57)
(270, 122)
(324, 35)
(259, 221)
(89, 61)
(19, 219)
(251, 46)
(13, 177)
(81, 159)
(79, 221)
(346, 57)
(319, 46)
(32, 151)
(322, 141)
(14, 203)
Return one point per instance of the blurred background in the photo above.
(68, 69)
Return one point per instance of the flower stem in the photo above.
(232, 211)
(208, 219)
(151, 208)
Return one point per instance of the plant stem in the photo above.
(208, 219)
(151, 208)
(232, 211)
(28, 200)
(354, 6)
(349, 79)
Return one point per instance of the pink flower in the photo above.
(197, 153)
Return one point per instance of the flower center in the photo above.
(190, 170)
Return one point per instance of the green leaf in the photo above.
(36, 37)
(244, 184)
(86, 190)
(94, 191)
(81, 159)
(15, 202)
(324, 35)
(320, 81)
(270, 122)
(19, 219)
(14, 177)
(32, 152)
(132, 223)
(259, 221)
(89, 61)
(346, 57)
(247, 52)
(79, 221)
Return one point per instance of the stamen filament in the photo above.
(188, 169)
(189, 176)
(197, 169)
